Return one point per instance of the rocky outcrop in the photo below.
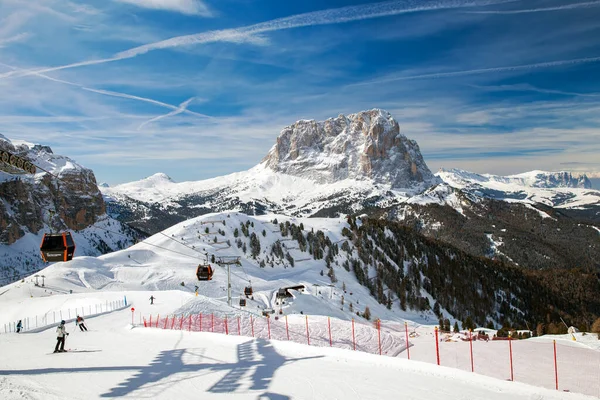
(365, 145)
(27, 201)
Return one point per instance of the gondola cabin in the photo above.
(57, 247)
(248, 291)
(242, 302)
(204, 272)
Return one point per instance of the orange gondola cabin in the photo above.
(204, 272)
(57, 247)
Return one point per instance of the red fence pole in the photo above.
(200, 322)
(269, 326)
(437, 346)
(145, 323)
(353, 338)
(166, 321)
(212, 322)
(471, 346)
(329, 326)
(226, 327)
(511, 360)
(252, 325)
(307, 334)
(379, 335)
(181, 323)
(190, 324)
(173, 322)
(407, 345)
(239, 328)
(150, 320)
(287, 331)
(157, 318)
(555, 366)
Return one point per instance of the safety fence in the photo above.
(550, 364)
(554, 364)
(39, 323)
(312, 330)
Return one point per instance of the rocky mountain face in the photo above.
(319, 169)
(61, 195)
(27, 199)
(364, 146)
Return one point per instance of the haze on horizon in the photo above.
(198, 89)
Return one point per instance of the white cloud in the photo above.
(543, 9)
(478, 71)
(248, 34)
(190, 7)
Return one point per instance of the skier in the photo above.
(152, 299)
(79, 321)
(19, 326)
(61, 333)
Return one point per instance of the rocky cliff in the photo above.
(364, 146)
(67, 188)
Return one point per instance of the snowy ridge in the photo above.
(278, 191)
(41, 156)
(556, 189)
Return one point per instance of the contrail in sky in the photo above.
(543, 9)
(244, 34)
(182, 108)
(439, 75)
(178, 110)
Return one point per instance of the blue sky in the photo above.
(201, 88)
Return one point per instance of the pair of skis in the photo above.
(75, 351)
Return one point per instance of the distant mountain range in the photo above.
(361, 165)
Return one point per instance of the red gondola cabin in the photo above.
(204, 272)
(57, 247)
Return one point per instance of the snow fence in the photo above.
(38, 323)
(311, 330)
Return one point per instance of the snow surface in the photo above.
(529, 187)
(296, 194)
(115, 359)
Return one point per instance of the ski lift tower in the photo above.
(228, 261)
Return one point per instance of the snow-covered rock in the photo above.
(365, 145)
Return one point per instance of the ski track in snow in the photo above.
(160, 274)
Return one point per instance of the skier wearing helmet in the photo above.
(61, 333)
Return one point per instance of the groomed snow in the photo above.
(118, 361)
(114, 360)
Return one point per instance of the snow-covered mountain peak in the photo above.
(557, 189)
(364, 146)
(532, 179)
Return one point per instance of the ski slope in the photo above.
(114, 359)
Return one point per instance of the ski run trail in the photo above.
(120, 358)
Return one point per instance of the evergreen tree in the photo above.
(540, 329)
(596, 327)
(456, 326)
(254, 245)
(436, 309)
(367, 313)
(447, 325)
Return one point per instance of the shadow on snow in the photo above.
(257, 362)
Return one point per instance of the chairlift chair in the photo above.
(204, 272)
(57, 247)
